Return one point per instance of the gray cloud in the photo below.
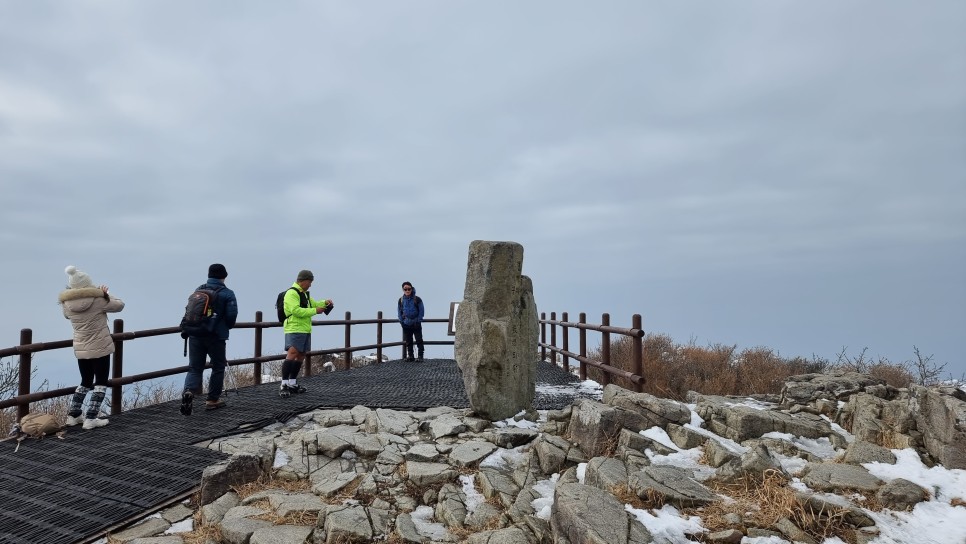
(780, 174)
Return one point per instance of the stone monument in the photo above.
(497, 331)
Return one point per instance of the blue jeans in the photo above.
(198, 349)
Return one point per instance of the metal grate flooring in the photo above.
(74, 490)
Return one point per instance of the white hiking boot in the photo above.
(94, 423)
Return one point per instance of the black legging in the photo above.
(94, 371)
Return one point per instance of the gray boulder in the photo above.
(572, 520)
(940, 415)
(497, 331)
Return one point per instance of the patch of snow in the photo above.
(281, 459)
(504, 458)
(660, 436)
(425, 526)
(473, 497)
(689, 459)
(184, 526)
(696, 420)
(543, 503)
(731, 445)
(666, 524)
(942, 483)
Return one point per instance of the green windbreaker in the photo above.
(299, 319)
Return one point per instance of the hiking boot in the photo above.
(94, 423)
(214, 404)
(419, 359)
(296, 389)
(187, 398)
(74, 420)
(284, 392)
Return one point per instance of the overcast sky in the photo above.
(770, 173)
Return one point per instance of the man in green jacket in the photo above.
(300, 308)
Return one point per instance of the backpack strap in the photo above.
(303, 299)
(214, 290)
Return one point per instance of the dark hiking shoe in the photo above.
(284, 392)
(297, 389)
(187, 398)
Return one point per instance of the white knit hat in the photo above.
(77, 279)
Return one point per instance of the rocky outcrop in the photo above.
(575, 476)
(497, 331)
(940, 416)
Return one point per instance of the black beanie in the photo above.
(217, 271)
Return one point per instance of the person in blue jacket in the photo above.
(211, 347)
(410, 315)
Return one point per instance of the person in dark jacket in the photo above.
(410, 315)
(211, 346)
(87, 307)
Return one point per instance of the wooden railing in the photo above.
(636, 334)
(27, 348)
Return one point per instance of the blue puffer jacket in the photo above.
(410, 310)
(226, 306)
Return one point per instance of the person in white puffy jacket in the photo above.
(87, 306)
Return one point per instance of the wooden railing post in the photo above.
(23, 382)
(379, 337)
(566, 345)
(117, 391)
(257, 367)
(543, 336)
(308, 360)
(637, 352)
(553, 336)
(583, 346)
(605, 348)
(348, 341)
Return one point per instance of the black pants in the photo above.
(94, 371)
(409, 332)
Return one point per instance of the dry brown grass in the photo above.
(292, 518)
(673, 369)
(148, 394)
(625, 495)
(265, 483)
(764, 500)
(609, 446)
(201, 535)
(417, 491)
